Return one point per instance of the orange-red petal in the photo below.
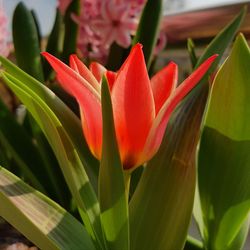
(88, 100)
(158, 129)
(97, 70)
(163, 84)
(77, 65)
(133, 106)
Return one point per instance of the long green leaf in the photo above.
(26, 43)
(161, 207)
(55, 42)
(224, 159)
(70, 122)
(71, 30)
(148, 29)
(112, 194)
(191, 51)
(41, 220)
(220, 43)
(16, 141)
(67, 156)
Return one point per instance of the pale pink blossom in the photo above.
(103, 22)
(115, 23)
(4, 45)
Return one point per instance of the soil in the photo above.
(11, 239)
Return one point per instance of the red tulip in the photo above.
(141, 107)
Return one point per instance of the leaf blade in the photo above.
(114, 206)
(44, 222)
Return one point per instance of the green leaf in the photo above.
(112, 194)
(41, 220)
(117, 55)
(148, 29)
(224, 160)
(26, 43)
(38, 29)
(161, 207)
(220, 43)
(193, 244)
(55, 42)
(191, 51)
(71, 30)
(65, 151)
(70, 122)
(15, 140)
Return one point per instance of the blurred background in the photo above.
(45, 10)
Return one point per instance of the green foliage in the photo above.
(71, 30)
(26, 42)
(62, 144)
(191, 51)
(112, 194)
(40, 219)
(164, 196)
(148, 29)
(55, 42)
(224, 180)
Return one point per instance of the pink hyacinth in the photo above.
(4, 46)
(103, 22)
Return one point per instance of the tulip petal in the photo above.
(77, 65)
(163, 84)
(97, 70)
(111, 76)
(88, 99)
(160, 123)
(133, 106)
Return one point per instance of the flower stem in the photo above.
(127, 176)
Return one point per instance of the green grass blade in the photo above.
(41, 220)
(224, 160)
(112, 194)
(65, 151)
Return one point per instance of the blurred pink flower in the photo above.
(103, 22)
(63, 5)
(4, 45)
(115, 23)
